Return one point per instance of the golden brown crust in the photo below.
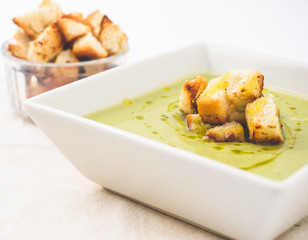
(72, 29)
(229, 132)
(224, 99)
(191, 90)
(95, 21)
(88, 47)
(244, 87)
(112, 38)
(32, 40)
(213, 104)
(77, 16)
(262, 117)
(236, 88)
(214, 109)
(35, 22)
(48, 44)
(20, 23)
(17, 51)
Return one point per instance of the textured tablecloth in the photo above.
(42, 196)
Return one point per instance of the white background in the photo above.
(278, 28)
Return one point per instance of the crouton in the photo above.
(48, 44)
(214, 109)
(66, 56)
(72, 29)
(64, 74)
(22, 39)
(229, 132)
(88, 47)
(244, 87)
(35, 22)
(17, 51)
(195, 124)
(111, 37)
(237, 116)
(193, 121)
(78, 17)
(262, 117)
(95, 21)
(213, 104)
(190, 92)
(20, 49)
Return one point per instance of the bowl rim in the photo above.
(11, 58)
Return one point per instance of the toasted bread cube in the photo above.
(237, 116)
(74, 15)
(213, 104)
(194, 124)
(190, 92)
(88, 47)
(229, 132)
(65, 74)
(20, 49)
(22, 39)
(244, 87)
(48, 44)
(66, 56)
(193, 121)
(78, 17)
(214, 109)
(95, 21)
(111, 37)
(72, 29)
(35, 22)
(17, 51)
(262, 117)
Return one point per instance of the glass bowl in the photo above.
(26, 79)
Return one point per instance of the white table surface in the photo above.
(43, 197)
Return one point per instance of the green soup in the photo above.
(155, 115)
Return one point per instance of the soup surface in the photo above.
(155, 115)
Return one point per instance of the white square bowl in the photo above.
(199, 190)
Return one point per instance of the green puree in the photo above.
(155, 115)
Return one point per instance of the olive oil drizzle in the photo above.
(168, 125)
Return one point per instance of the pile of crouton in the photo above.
(49, 35)
(232, 104)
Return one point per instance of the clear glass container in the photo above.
(27, 79)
